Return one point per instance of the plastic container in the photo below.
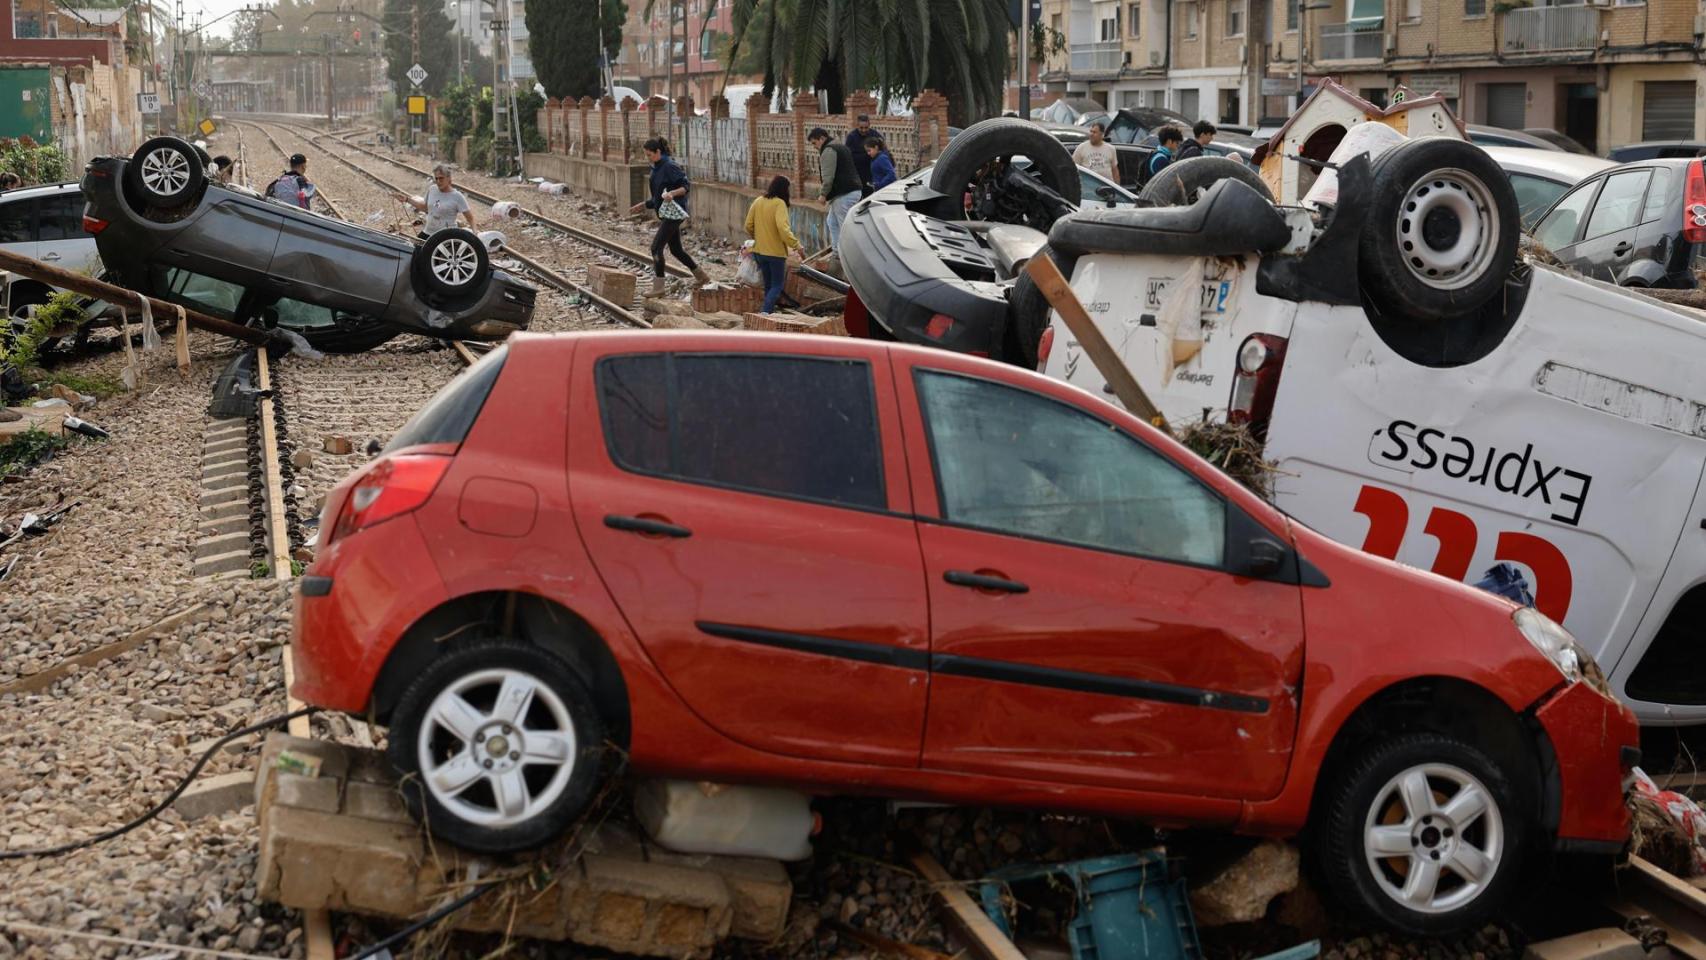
(729, 820)
(506, 210)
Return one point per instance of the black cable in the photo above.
(426, 921)
(162, 805)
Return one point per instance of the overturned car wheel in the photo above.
(452, 264)
(1441, 232)
(165, 173)
(1183, 183)
(970, 161)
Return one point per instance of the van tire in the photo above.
(1000, 137)
(1441, 231)
(1028, 313)
(1183, 182)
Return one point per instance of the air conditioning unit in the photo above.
(1391, 42)
(1155, 58)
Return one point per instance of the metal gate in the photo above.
(1507, 105)
(1667, 110)
(731, 151)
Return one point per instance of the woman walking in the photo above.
(882, 162)
(773, 241)
(669, 198)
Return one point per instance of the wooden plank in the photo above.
(462, 351)
(1058, 293)
(980, 933)
(1680, 907)
(90, 287)
(50, 676)
(317, 933)
(48, 420)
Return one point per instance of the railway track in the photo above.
(546, 274)
(580, 234)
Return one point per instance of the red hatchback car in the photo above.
(857, 567)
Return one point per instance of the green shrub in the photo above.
(60, 309)
(25, 450)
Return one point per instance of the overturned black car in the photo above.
(937, 258)
(164, 228)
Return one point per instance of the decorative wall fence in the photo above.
(747, 151)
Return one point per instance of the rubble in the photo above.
(1241, 892)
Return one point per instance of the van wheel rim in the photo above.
(497, 747)
(1434, 838)
(454, 262)
(165, 171)
(1448, 229)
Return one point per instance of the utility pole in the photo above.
(331, 86)
(501, 93)
(414, 58)
(1025, 60)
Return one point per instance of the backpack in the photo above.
(287, 188)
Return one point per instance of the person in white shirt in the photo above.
(441, 203)
(1097, 155)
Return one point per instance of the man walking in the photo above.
(292, 185)
(840, 176)
(1202, 135)
(442, 203)
(1097, 155)
(856, 145)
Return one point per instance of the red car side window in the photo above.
(801, 427)
(1016, 462)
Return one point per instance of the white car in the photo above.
(1540, 177)
(1430, 396)
(45, 223)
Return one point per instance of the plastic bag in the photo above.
(748, 272)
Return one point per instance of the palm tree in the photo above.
(895, 47)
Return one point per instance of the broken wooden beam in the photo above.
(1054, 288)
(980, 934)
(130, 299)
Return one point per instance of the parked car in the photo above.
(1485, 136)
(1540, 177)
(1657, 150)
(1069, 109)
(1631, 225)
(768, 554)
(1093, 188)
(46, 223)
(1563, 142)
(163, 228)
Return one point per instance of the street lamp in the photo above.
(1303, 40)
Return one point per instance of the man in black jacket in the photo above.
(856, 145)
(1203, 136)
(840, 176)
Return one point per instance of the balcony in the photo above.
(1542, 29)
(1096, 57)
(1359, 40)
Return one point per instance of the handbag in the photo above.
(670, 210)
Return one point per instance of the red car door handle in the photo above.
(642, 525)
(978, 581)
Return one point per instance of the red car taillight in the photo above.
(390, 488)
(1694, 202)
(1260, 359)
(938, 326)
(1045, 346)
(92, 225)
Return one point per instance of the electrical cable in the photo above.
(159, 808)
(425, 921)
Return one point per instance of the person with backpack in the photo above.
(1169, 138)
(772, 239)
(1201, 136)
(292, 185)
(882, 163)
(669, 189)
(840, 177)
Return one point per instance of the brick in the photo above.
(796, 323)
(649, 908)
(375, 801)
(611, 283)
(1603, 944)
(303, 793)
(322, 861)
(213, 796)
(334, 760)
(736, 299)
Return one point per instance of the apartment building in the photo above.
(1606, 72)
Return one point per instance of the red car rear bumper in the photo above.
(353, 606)
(1596, 742)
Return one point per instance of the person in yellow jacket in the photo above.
(773, 241)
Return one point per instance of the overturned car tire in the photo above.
(165, 173)
(1183, 183)
(1440, 233)
(1001, 137)
(1029, 311)
(452, 264)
